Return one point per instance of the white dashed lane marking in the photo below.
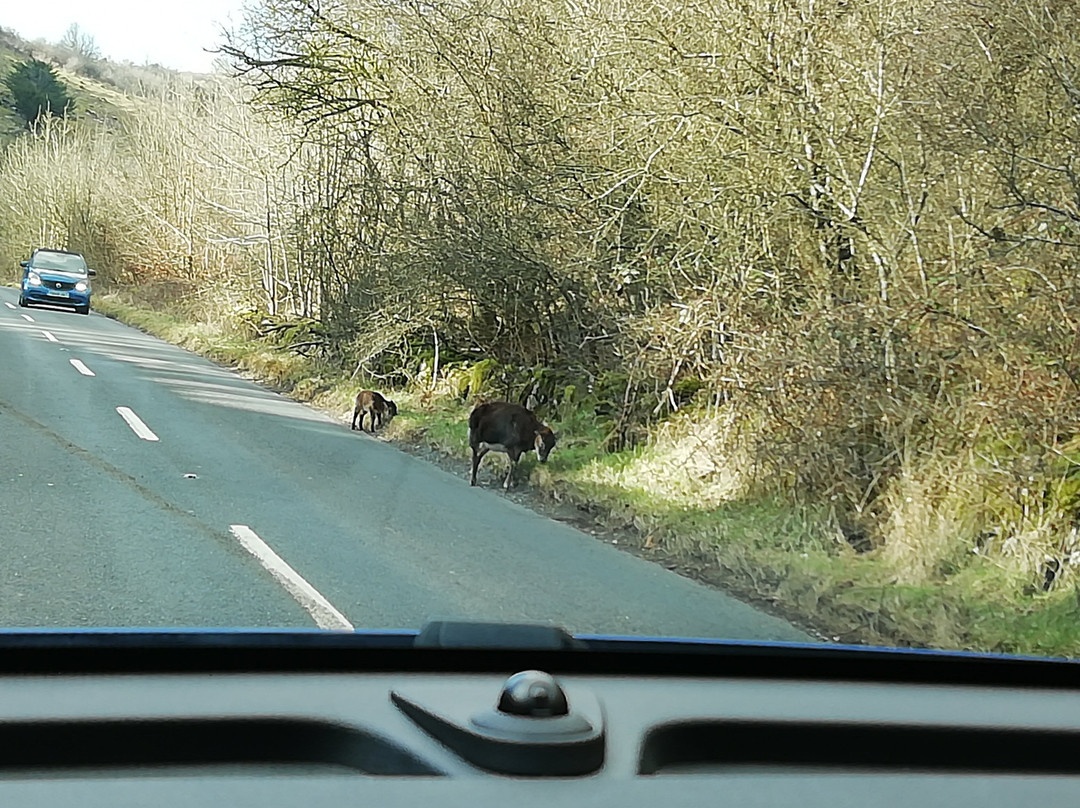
(9, 305)
(49, 336)
(28, 318)
(136, 423)
(79, 366)
(320, 609)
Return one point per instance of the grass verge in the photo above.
(786, 559)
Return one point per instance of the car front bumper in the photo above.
(42, 294)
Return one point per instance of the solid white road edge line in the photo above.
(49, 336)
(136, 423)
(320, 609)
(79, 366)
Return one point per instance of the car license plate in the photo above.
(58, 294)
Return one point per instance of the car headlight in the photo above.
(81, 286)
(34, 279)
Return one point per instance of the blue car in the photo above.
(56, 277)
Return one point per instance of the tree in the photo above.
(80, 43)
(37, 90)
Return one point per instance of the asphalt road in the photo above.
(210, 501)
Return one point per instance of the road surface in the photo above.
(141, 485)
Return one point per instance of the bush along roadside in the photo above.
(679, 498)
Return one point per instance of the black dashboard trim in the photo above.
(718, 745)
(125, 744)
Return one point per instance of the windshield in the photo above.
(731, 320)
(59, 262)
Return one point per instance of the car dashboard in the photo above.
(317, 718)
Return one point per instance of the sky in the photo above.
(172, 33)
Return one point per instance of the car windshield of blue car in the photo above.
(59, 262)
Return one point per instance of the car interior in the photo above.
(474, 713)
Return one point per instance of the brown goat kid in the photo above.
(368, 402)
(507, 428)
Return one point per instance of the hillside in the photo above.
(103, 90)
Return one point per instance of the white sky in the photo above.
(172, 33)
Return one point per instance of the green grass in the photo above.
(92, 95)
(440, 424)
(694, 518)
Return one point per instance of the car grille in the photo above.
(64, 285)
